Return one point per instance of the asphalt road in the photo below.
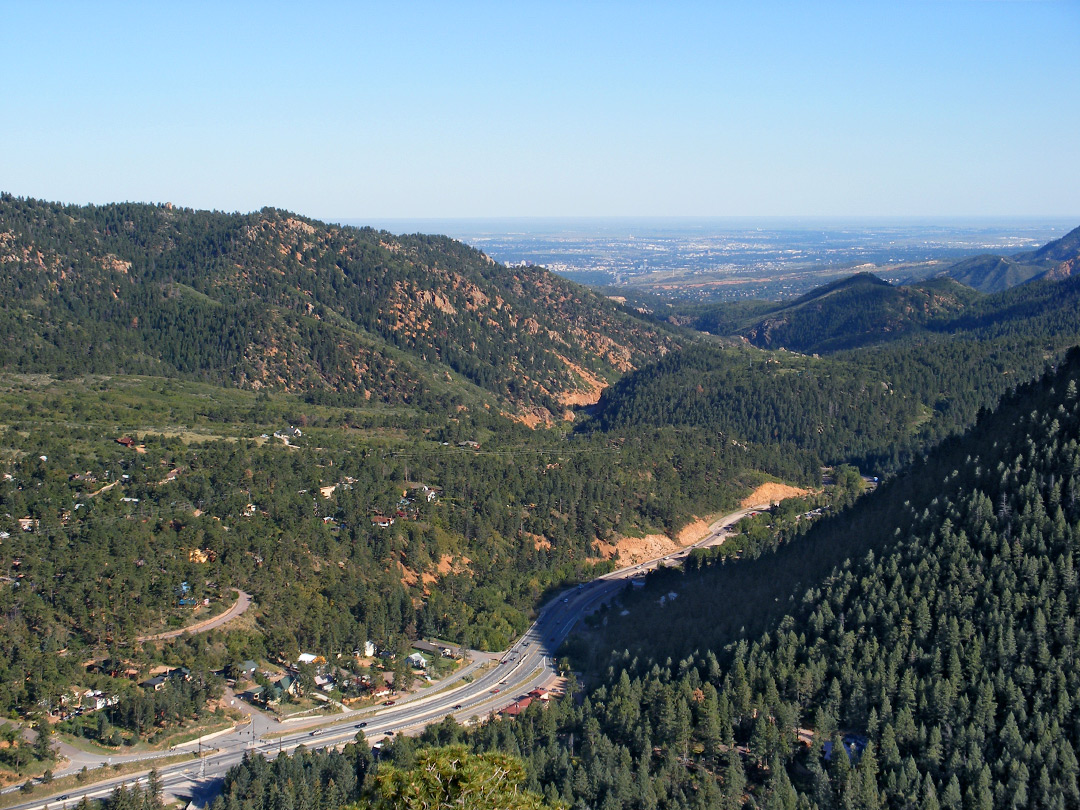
(497, 680)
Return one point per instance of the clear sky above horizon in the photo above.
(413, 110)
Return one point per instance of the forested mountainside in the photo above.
(877, 409)
(929, 634)
(1057, 259)
(864, 311)
(857, 311)
(854, 311)
(945, 634)
(876, 404)
(260, 450)
(272, 299)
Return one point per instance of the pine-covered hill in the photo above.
(856, 311)
(876, 404)
(816, 410)
(938, 619)
(275, 299)
(863, 311)
(849, 312)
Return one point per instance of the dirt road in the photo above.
(243, 602)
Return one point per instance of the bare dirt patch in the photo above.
(539, 541)
(408, 576)
(692, 532)
(630, 550)
(532, 418)
(772, 493)
(594, 386)
(448, 563)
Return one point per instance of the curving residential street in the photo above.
(243, 602)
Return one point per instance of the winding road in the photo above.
(243, 602)
(488, 683)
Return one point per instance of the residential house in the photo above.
(276, 691)
(157, 683)
(242, 671)
(517, 707)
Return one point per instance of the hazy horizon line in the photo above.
(504, 224)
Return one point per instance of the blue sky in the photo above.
(459, 109)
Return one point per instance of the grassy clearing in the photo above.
(162, 743)
(192, 411)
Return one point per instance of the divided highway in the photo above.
(528, 664)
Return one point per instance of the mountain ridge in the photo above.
(851, 311)
(994, 273)
(275, 299)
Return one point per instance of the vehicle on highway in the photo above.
(362, 725)
(457, 705)
(312, 734)
(567, 599)
(389, 702)
(494, 691)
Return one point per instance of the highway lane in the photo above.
(527, 664)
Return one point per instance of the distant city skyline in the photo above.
(424, 111)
